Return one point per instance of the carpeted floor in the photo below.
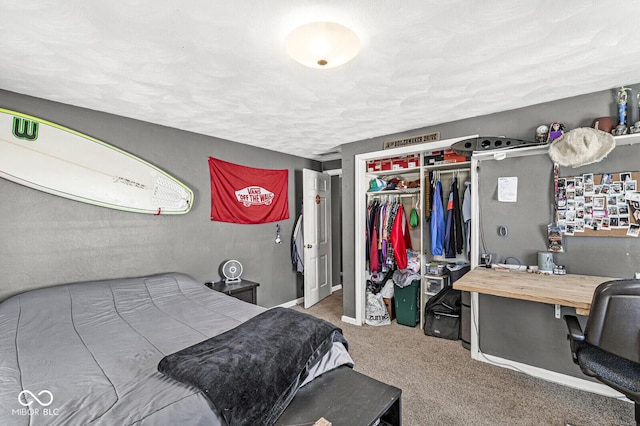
(442, 385)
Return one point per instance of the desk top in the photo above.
(567, 290)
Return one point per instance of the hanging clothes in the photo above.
(387, 236)
(297, 245)
(453, 227)
(383, 238)
(407, 234)
(399, 232)
(374, 264)
(389, 260)
(449, 233)
(367, 231)
(466, 216)
(372, 246)
(392, 210)
(428, 196)
(437, 221)
(457, 217)
(372, 211)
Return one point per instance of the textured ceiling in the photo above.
(219, 68)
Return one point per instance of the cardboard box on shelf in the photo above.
(373, 166)
(399, 163)
(413, 160)
(450, 156)
(394, 163)
(434, 157)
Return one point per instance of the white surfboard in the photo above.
(61, 161)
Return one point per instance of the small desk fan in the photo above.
(231, 270)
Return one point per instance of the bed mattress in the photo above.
(87, 353)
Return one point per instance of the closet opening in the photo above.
(412, 196)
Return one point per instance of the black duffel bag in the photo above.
(442, 314)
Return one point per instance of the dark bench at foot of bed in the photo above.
(344, 397)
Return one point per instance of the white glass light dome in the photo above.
(322, 45)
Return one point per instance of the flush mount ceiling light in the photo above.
(322, 44)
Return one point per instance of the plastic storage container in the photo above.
(406, 301)
(436, 283)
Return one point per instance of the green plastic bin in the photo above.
(407, 301)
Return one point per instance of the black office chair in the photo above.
(609, 348)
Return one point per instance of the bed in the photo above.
(89, 353)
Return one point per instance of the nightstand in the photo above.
(244, 290)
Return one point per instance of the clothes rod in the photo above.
(401, 195)
(450, 171)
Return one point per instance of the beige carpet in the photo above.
(442, 385)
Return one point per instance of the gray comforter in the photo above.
(87, 353)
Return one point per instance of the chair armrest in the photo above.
(575, 331)
(576, 336)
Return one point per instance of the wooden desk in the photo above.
(514, 333)
(566, 290)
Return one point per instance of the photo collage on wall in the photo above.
(605, 204)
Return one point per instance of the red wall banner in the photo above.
(241, 194)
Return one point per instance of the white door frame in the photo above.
(335, 172)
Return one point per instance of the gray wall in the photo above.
(527, 219)
(46, 240)
(524, 331)
(527, 223)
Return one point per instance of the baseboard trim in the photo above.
(300, 300)
(552, 376)
(292, 303)
(349, 320)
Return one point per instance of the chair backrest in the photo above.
(614, 318)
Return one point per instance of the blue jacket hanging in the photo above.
(437, 222)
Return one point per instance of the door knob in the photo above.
(309, 246)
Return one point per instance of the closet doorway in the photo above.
(362, 181)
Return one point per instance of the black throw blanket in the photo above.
(252, 372)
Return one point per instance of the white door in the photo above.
(317, 236)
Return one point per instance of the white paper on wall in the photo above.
(508, 189)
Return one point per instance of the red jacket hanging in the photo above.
(400, 238)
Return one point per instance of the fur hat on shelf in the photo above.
(581, 146)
